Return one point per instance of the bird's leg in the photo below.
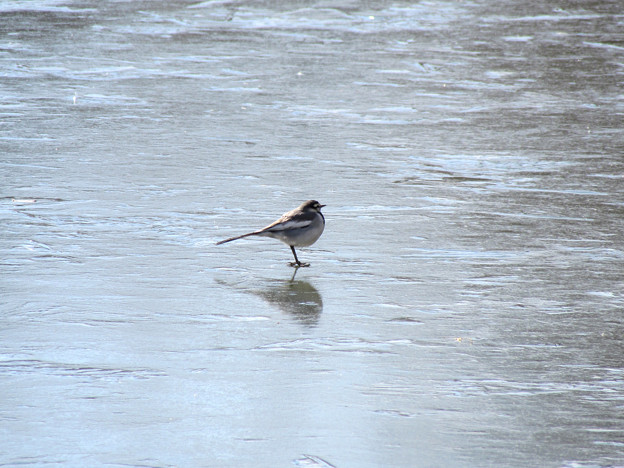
(297, 263)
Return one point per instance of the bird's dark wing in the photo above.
(288, 222)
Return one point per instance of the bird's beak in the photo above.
(321, 206)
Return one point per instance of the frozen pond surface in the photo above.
(464, 307)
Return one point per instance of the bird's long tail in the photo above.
(255, 233)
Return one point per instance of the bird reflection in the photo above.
(297, 298)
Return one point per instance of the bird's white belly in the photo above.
(301, 237)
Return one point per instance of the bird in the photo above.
(300, 227)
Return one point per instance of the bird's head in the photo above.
(312, 205)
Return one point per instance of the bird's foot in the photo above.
(298, 264)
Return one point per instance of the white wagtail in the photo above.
(300, 227)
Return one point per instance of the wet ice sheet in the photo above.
(463, 305)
